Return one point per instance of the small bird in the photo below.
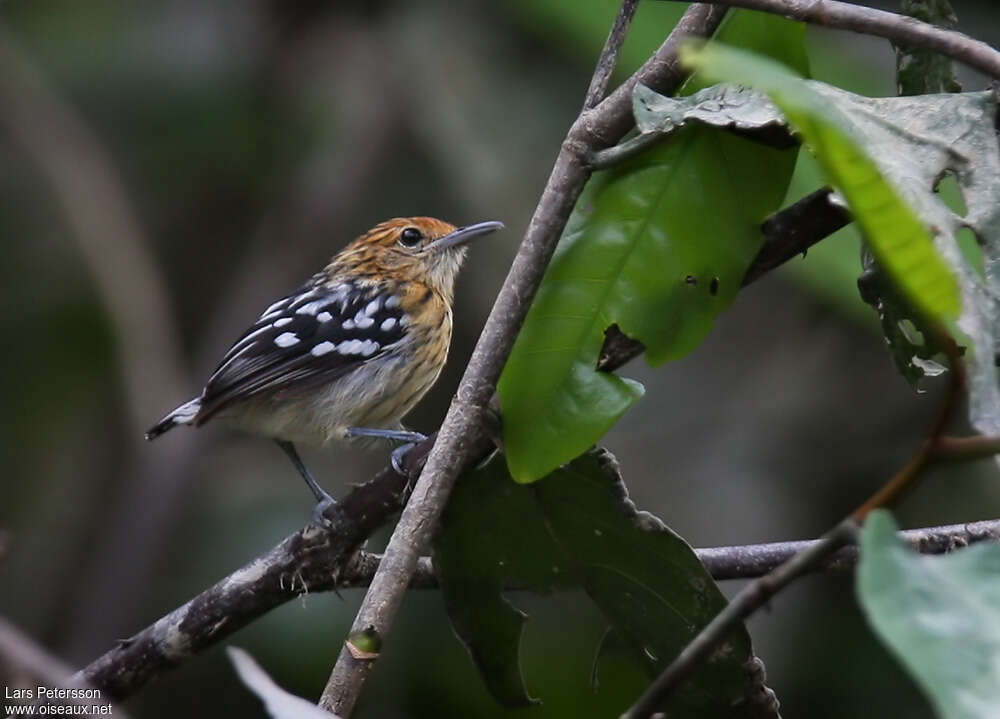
(350, 352)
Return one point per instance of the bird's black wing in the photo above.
(308, 338)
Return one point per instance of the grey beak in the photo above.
(464, 234)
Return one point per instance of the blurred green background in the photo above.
(168, 168)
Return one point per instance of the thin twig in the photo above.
(905, 478)
(965, 448)
(745, 603)
(20, 653)
(901, 30)
(609, 55)
(758, 592)
(747, 561)
(795, 229)
(601, 126)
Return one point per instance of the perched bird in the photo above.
(350, 352)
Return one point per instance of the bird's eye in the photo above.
(410, 237)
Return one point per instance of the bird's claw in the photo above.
(397, 457)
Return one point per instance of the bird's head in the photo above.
(421, 249)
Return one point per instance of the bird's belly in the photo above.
(377, 395)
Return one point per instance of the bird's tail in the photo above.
(185, 414)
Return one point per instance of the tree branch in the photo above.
(609, 55)
(899, 29)
(598, 127)
(795, 229)
(314, 561)
(747, 561)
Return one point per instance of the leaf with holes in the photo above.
(887, 156)
(659, 246)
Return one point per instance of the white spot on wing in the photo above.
(393, 301)
(373, 306)
(286, 339)
(324, 317)
(348, 324)
(350, 347)
(322, 348)
(388, 324)
(282, 322)
(369, 347)
(363, 323)
(311, 308)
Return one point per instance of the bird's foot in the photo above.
(398, 456)
(395, 435)
(319, 517)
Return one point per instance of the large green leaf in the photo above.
(492, 535)
(898, 238)
(939, 615)
(659, 246)
(578, 528)
(887, 156)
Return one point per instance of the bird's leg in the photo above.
(323, 500)
(408, 437)
(396, 435)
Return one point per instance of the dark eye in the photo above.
(410, 237)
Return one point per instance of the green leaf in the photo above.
(578, 528)
(659, 246)
(939, 615)
(898, 238)
(492, 535)
(647, 581)
(887, 156)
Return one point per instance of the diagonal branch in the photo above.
(609, 55)
(452, 451)
(901, 30)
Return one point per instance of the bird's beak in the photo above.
(464, 234)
